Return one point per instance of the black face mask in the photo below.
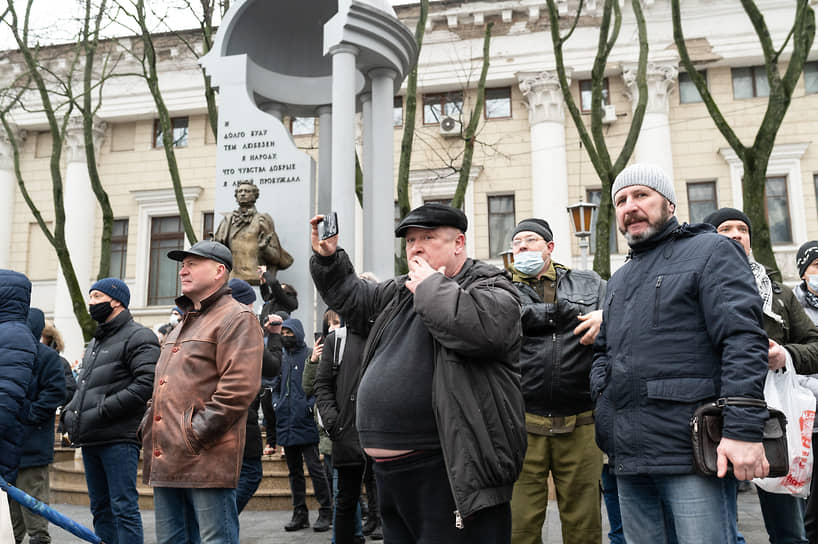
(289, 342)
(100, 312)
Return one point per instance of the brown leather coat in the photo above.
(208, 372)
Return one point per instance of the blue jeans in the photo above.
(110, 472)
(610, 494)
(783, 517)
(194, 516)
(249, 480)
(701, 509)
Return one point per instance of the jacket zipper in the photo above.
(657, 300)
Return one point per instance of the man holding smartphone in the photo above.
(443, 346)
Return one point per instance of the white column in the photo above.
(80, 220)
(654, 145)
(343, 143)
(324, 159)
(275, 109)
(549, 163)
(8, 182)
(379, 207)
(367, 158)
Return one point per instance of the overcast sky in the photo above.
(53, 21)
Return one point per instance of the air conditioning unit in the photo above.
(608, 114)
(449, 127)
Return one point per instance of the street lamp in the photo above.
(508, 259)
(582, 214)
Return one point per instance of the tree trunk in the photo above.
(404, 164)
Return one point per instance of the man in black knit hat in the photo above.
(792, 336)
(561, 316)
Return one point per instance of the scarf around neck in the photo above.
(765, 289)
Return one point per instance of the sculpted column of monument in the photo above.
(549, 165)
(654, 144)
(7, 194)
(80, 222)
(251, 237)
(378, 195)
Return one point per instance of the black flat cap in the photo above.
(207, 249)
(431, 216)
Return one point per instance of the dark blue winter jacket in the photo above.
(295, 423)
(45, 394)
(681, 326)
(18, 349)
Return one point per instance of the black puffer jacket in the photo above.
(474, 321)
(336, 387)
(555, 367)
(114, 384)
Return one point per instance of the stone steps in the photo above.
(68, 484)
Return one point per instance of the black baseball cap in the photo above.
(431, 216)
(207, 249)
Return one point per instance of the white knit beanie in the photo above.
(648, 175)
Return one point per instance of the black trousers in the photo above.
(417, 506)
(297, 456)
(346, 502)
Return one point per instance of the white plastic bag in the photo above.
(6, 529)
(782, 391)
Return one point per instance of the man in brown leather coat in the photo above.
(206, 377)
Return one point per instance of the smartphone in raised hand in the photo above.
(328, 226)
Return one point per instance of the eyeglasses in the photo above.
(528, 240)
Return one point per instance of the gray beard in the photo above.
(652, 229)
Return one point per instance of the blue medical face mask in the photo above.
(812, 282)
(528, 262)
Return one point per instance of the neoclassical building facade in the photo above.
(528, 159)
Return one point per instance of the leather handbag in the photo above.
(706, 427)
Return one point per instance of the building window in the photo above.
(207, 225)
(778, 210)
(501, 223)
(440, 105)
(498, 103)
(397, 112)
(750, 82)
(811, 77)
(180, 132)
(701, 198)
(119, 248)
(163, 278)
(688, 93)
(585, 94)
(594, 196)
(302, 126)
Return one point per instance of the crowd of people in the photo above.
(449, 394)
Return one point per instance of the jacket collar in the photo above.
(110, 327)
(187, 305)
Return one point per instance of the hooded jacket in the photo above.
(681, 327)
(295, 421)
(45, 394)
(474, 321)
(114, 384)
(18, 350)
(208, 373)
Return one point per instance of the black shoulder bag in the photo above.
(706, 427)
